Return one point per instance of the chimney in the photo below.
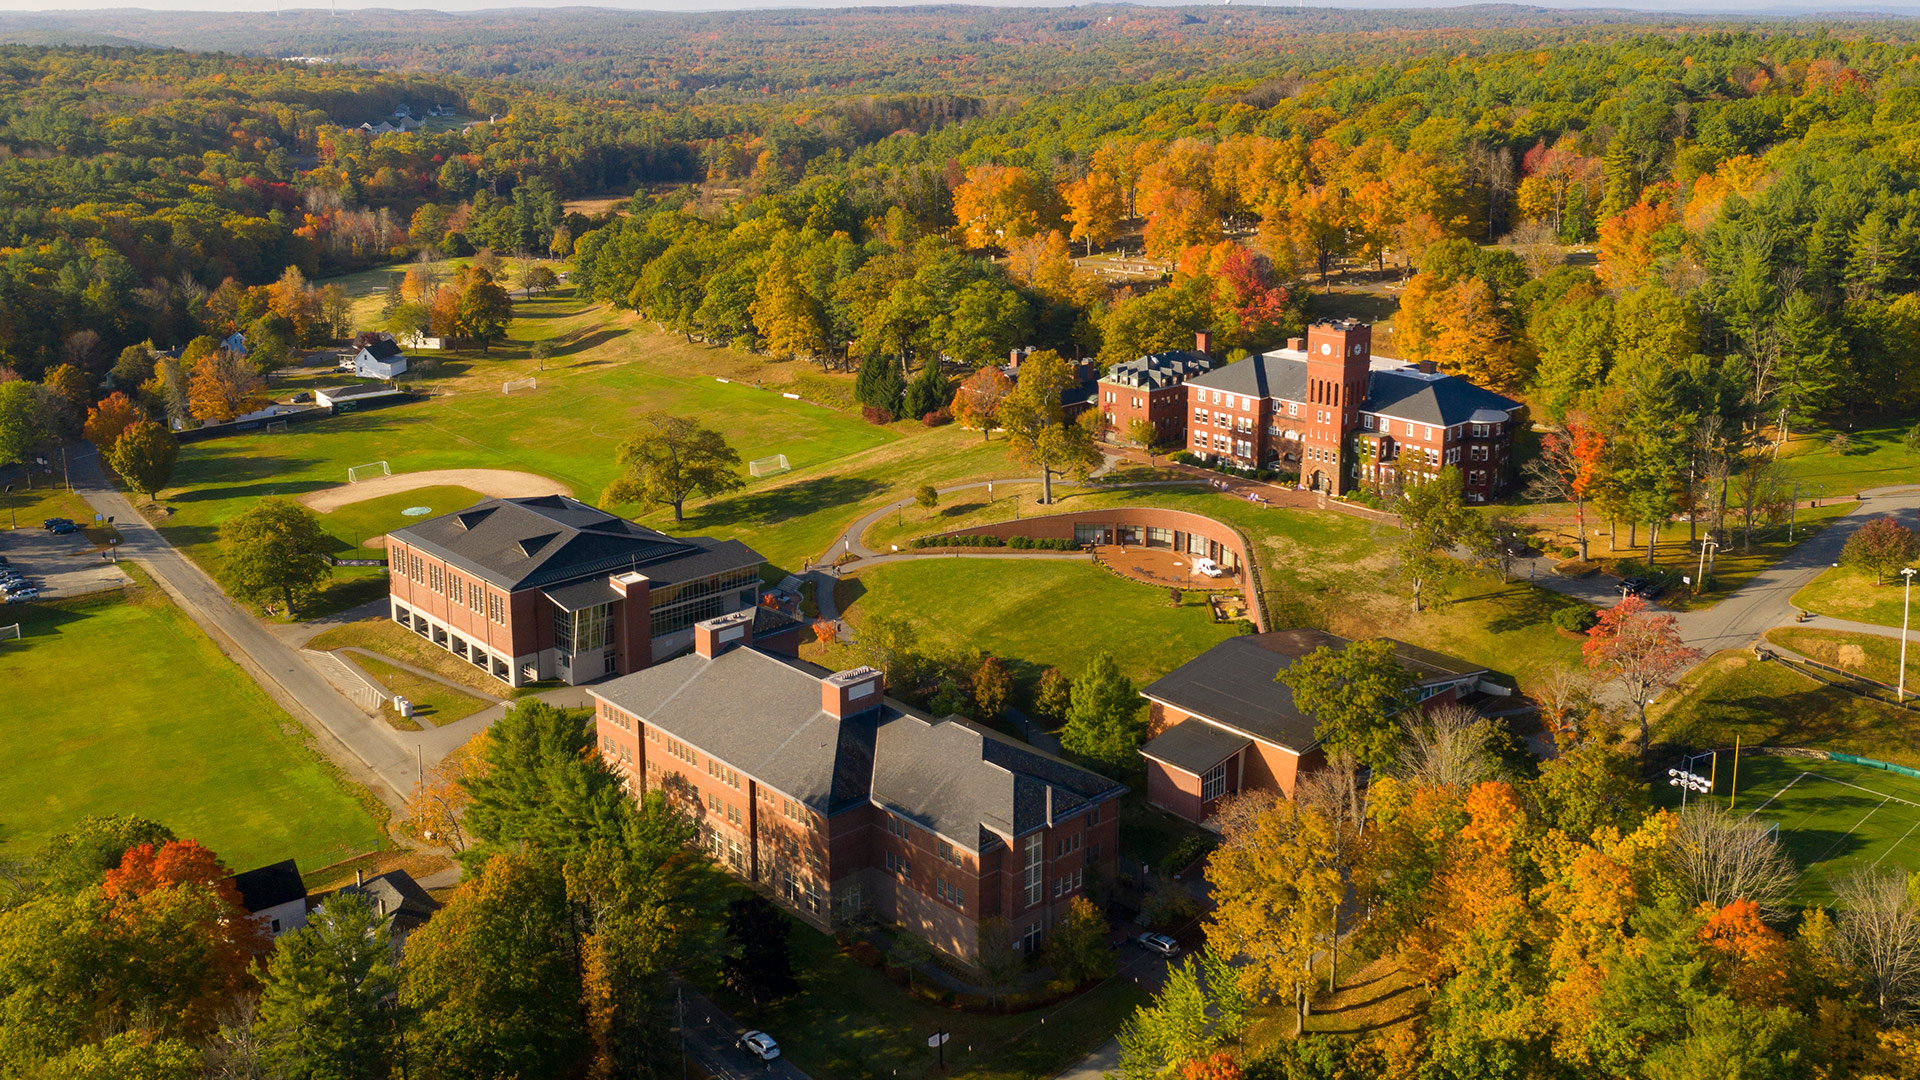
(1427, 367)
(846, 693)
(1013, 357)
(715, 636)
(1203, 341)
(623, 582)
(1297, 344)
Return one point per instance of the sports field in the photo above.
(1832, 815)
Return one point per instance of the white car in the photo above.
(23, 596)
(759, 1044)
(347, 363)
(1160, 943)
(1207, 568)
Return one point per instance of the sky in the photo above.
(1719, 7)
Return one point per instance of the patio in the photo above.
(1161, 566)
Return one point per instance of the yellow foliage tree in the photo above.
(1278, 885)
(996, 205)
(223, 387)
(1095, 204)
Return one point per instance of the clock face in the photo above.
(1326, 349)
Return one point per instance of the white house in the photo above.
(276, 895)
(235, 343)
(380, 360)
(419, 341)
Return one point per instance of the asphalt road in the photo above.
(377, 755)
(710, 1035)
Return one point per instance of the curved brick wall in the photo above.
(1060, 527)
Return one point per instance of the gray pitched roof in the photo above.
(1194, 746)
(761, 714)
(1233, 682)
(396, 893)
(551, 539)
(1403, 392)
(1156, 371)
(270, 886)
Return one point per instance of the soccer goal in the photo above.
(276, 425)
(361, 472)
(8, 633)
(768, 465)
(528, 383)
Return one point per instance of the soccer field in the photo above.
(1833, 816)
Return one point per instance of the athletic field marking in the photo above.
(1896, 845)
(1779, 793)
(1850, 832)
(1870, 791)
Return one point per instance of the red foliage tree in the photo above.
(1216, 1066)
(108, 419)
(1751, 958)
(1640, 651)
(1882, 546)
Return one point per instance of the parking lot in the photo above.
(59, 566)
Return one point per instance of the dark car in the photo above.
(64, 528)
(55, 523)
(1640, 587)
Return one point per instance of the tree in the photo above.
(1436, 520)
(671, 458)
(1879, 934)
(483, 310)
(1142, 433)
(69, 396)
(1570, 468)
(1053, 696)
(437, 807)
(760, 968)
(144, 456)
(1077, 949)
(108, 419)
(926, 497)
(23, 420)
(978, 402)
(992, 685)
(1642, 652)
(789, 317)
(1720, 858)
(1450, 745)
(276, 549)
(929, 392)
(1038, 432)
(999, 956)
(1173, 1030)
(1883, 547)
(1278, 884)
(81, 856)
(1355, 696)
(891, 643)
(223, 387)
(878, 384)
(323, 1005)
(1104, 719)
(539, 278)
(492, 979)
(997, 204)
(134, 366)
(535, 783)
(1095, 205)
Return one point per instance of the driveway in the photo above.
(710, 1035)
(59, 566)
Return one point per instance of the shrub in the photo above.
(938, 417)
(1568, 552)
(1577, 620)
(876, 415)
(1913, 438)
(867, 953)
(1020, 543)
(1183, 457)
(1183, 853)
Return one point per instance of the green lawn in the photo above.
(1870, 656)
(356, 523)
(434, 702)
(390, 639)
(121, 705)
(1833, 816)
(1765, 703)
(851, 1022)
(1038, 613)
(1875, 456)
(1846, 592)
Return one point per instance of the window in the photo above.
(950, 893)
(897, 826)
(1031, 940)
(1366, 421)
(1293, 408)
(473, 595)
(1066, 845)
(682, 751)
(1067, 883)
(1409, 429)
(436, 578)
(1429, 433)
(949, 854)
(1214, 784)
(899, 864)
(1199, 416)
(1036, 887)
(1216, 397)
(676, 607)
(497, 608)
(722, 773)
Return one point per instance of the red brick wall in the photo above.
(470, 624)
(1171, 789)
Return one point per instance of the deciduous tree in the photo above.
(1355, 696)
(992, 685)
(670, 459)
(1038, 432)
(144, 456)
(1077, 949)
(276, 549)
(1277, 883)
(108, 419)
(223, 387)
(977, 404)
(1640, 651)
(1882, 547)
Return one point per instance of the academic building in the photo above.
(842, 803)
(551, 588)
(1327, 408)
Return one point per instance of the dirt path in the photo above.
(500, 483)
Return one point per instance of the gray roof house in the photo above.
(275, 895)
(856, 801)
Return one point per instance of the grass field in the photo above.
(1870, 656)
(1833, 816)
(1875, 456)
(1037, 613)
(122, 706)
(1846, 592)
(390, 639)
(356, 523)
(851, 1022)
(434, 702)
(1769, 704)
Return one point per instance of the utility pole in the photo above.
(1793, 510)
(1700, 578)
(1906, 609)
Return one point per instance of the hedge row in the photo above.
(1017, 543)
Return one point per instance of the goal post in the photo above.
(528, 383)
(360, 472)
(776, 463)
(9, 633)
(274, 426)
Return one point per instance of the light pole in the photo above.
(1906, 608)
(1700, 576)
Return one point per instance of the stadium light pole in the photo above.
(1906, 609)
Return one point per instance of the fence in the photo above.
(1840, 678)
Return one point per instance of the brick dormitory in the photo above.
(842, 802)
(550, 588)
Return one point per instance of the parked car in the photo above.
(1207, 568)
(1160, 943)
(303, 397)
(12, 579)
(54, 523)
(759, 1044)
(346, 364)
(64, 528)
(23, 596)
(1640, 587)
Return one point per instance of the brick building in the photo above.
(844, 803)
(1327, 408)
(1151, 388)
(551, 588)
(1220, 724)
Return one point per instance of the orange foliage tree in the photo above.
(997, 204)
(1631, 241)
(107, 420)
